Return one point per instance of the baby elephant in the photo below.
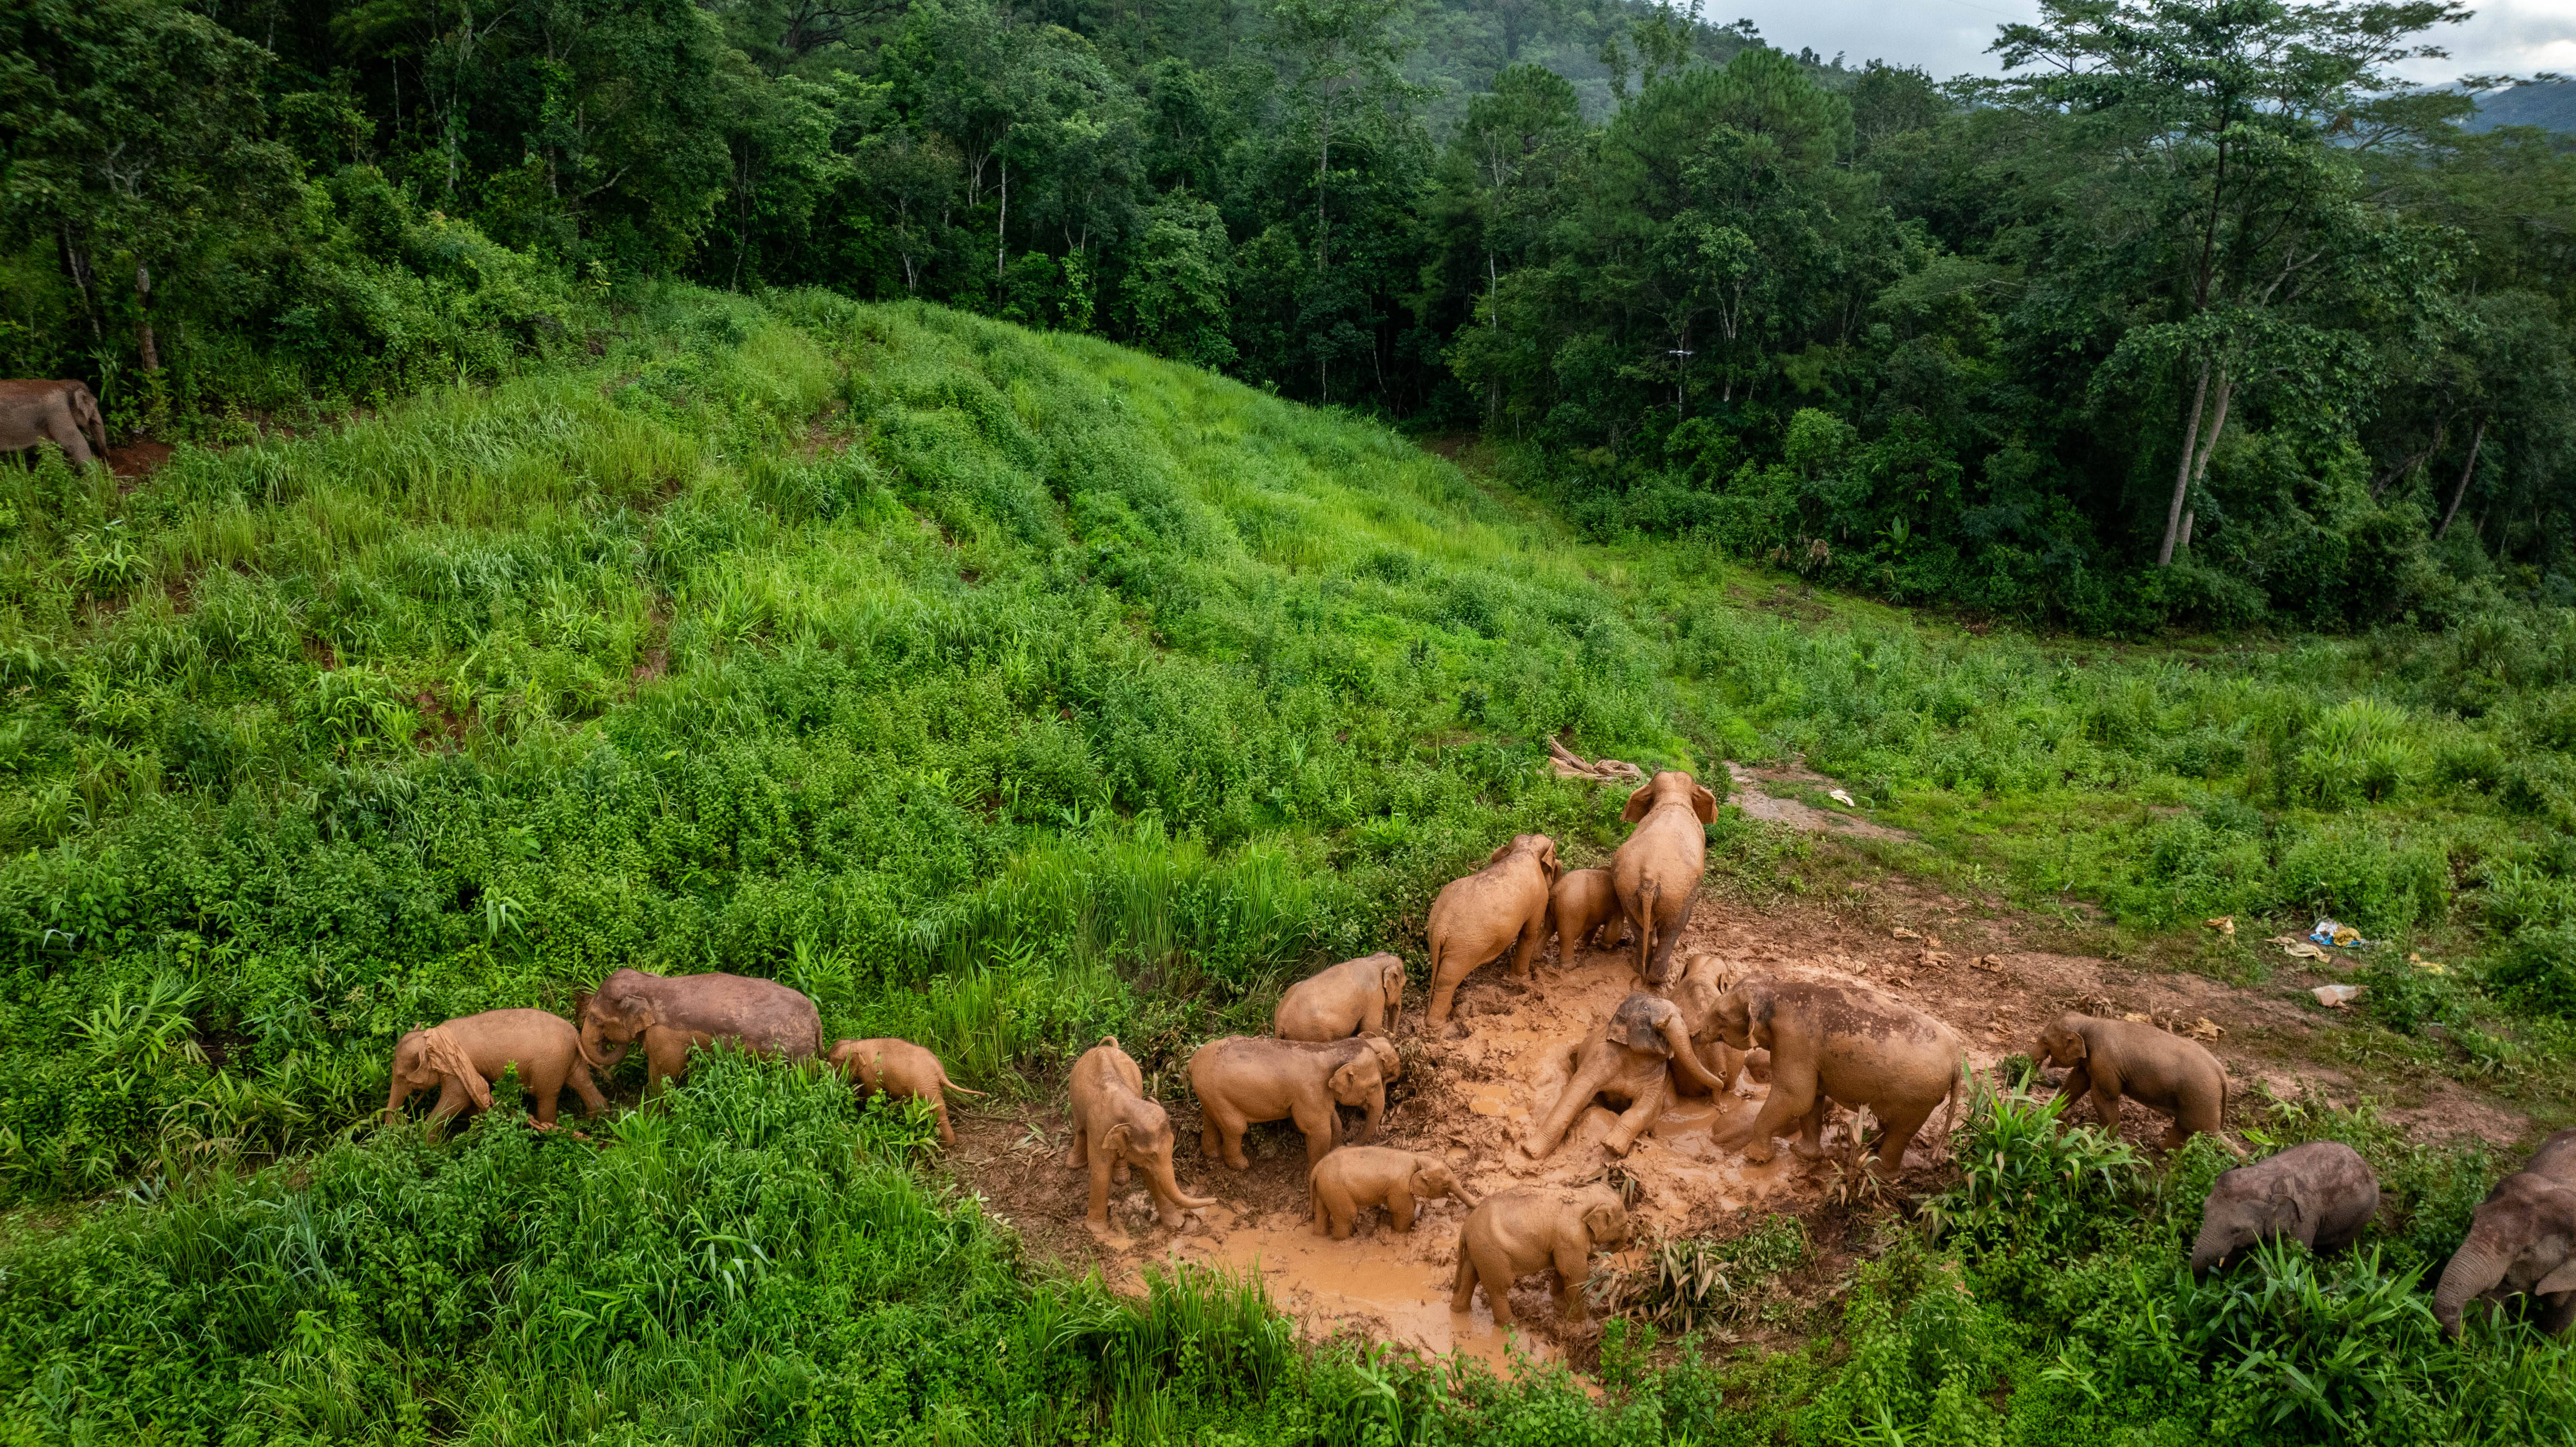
(1583, 905)
(2320, 1195)
(1242, 1079)
(461, 1058)
(900, 1068)
(1115, 1127)
(2109, 1059)
(1355, 1177)
(1630, 1060)
(1354, 997)
(1536, 1228)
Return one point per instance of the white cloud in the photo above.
(1949, 37)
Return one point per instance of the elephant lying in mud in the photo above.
(462, 1058)
(1630, 1059)
(1355, 997)
(1536, 1228)
(2320, 1195)
(1500, 907)
(1657, 869)
(2522, 1241)
(1243, 1079)
(673, 1013)
(898, 1068)
(1838, 1043)
(1115, 1127)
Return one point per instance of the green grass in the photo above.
(1002, 691)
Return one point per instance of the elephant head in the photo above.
(1144, 1140)
(428, 1059)
(2063, 1043)
(1390, 979)
(84, 409)
(1361, 1081)
(1431, 1178)
(1605, 1216)
(2238, 1214)
(1742, 1016)
(1672, 786)
(2522, 1239)
(611, 1019)
(1539, 846)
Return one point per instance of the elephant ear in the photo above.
(2286, 1209)
(1761, 1006)
(2562, 1279)
(1638, 803)
(446, 1055)
(1501, 853)
(1117, 1139)
(1354, 1078)
(1547, 863)
(1602, 1221)
(1704, 804)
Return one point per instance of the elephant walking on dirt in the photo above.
(1115, 1127)
(2109, 1060)
(462, 1058)
(1500, 907)
(1630, 1059)
(1657, 869)
(1838, 1043)
(2521, 1241)
(1354, 997)
(1242, 1079)
(60, 412)
(672, 1014)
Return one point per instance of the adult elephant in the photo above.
(1242, 1079)
(1502, 906)
(673, 1013)
(1657, 869)
(1629, 1059)
(462, 1058)
(60, 412)
(2522, 1240)
(1838, 1043)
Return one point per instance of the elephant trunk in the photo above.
(2474, 1271)
(1686, 1054)
(1375, 1108)
(594, 1054)
(2211, 1247)
(1168, 1186)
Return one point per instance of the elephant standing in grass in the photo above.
(1500, 907)
(1355, 997)
(1838, 1043)
(1657, 869)
(2320, 1195)
(2106, 1060)
(1242, 1079)
(60, 412)
(1115, 1127)
(462, 1058)
(1630, 1059)
(2522, 1241)
(899, 1068)
(1535, 1228)
(671, 1014)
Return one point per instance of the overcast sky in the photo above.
(1949, 37)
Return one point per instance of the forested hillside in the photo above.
(2192, 318)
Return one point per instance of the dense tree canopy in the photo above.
(2195, 315)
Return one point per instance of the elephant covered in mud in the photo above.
(1838, 1043)
(461, 1058)
(897, 1068)
(1583, 905)
(673, 1013)
(2521, 1242)
(1352, 998)
(1351, 1179)
(1629, 1059)
(1242, 1079)
(1500, 907)
(1657, 869)
(1116, 1127)
(2107, 1060)
(2320, 1195)
(1513, 1233)
(1704, 977)
(61, 412)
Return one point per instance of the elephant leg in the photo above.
(1793, 1095)
(1211, 1141)
(1810, 1144)
(1462, 1295)
(1668, 937)
(1641, 1112)
(666, 1060)
(1497, 1282)
(1579, 1090)
(66, 434)
(1230, 1141)
(542, 1090)
(1533, 939)
(592, 1102)
(1897, 1129)
(1573, 1270)
(1399, 1209)
(1078, 1155)
(939, 1107)
(1097, 1212)
(1323, 1128)
(394, 1101)
(2106, 1104)
(452, 1101)
(1340, 1214)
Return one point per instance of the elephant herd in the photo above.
(1821, 1045)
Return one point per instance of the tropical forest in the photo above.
(1227, 722)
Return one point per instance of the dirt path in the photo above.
(1470, 1095)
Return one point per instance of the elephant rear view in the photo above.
(1503, 906)
(1657, 869)
(2522, 1240)
(61, 412)
(670, 1014)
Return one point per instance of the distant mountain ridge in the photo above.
(2550, 105)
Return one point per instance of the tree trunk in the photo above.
(2183, 543)
(2477, 440)
(2182, 470)
(76, 267)
(1004, 219)
(143, 339)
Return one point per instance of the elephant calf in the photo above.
(2111, 1059)
(900, 1068)
(1500, 907)
(1838, 1043)
(1584, 905)
(1534, 1228)
(1630, 1059)
(2522, 1240)
(1351, 998)
(461, 1059)
(2320, 1195)
(1356, 1177)
(1242, 1079)
(674, 1014)
(1115, 1126)
(1704, 977)
(60, 412)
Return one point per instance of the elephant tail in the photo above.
(1650, 899)
(947, 1084)
(1950, 1103)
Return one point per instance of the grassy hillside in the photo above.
(1002, 691)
